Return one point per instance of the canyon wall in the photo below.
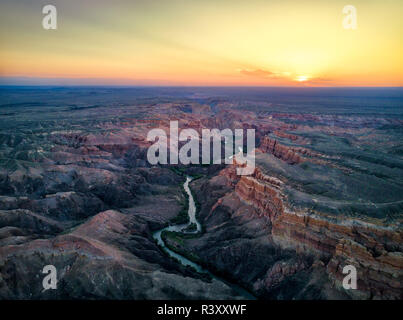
(374, 250)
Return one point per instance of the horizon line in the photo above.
(5, 86)
(189, 86)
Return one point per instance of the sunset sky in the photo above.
(206, 42)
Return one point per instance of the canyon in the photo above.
(77, 192)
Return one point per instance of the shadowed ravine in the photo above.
(180, 228)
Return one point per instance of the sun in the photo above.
(301, 78)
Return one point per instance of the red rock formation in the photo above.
(282, 134)
(279, 151)
(370, 248)
(263, 196)
(376, 276)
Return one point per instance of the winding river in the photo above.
(181, 228)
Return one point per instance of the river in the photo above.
(180, 228)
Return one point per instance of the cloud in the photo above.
(259, 73)
(319, 80)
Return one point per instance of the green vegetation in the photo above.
(178, 171)
(198, 209)
(175, 240)
(183, 171)
(182, 216)
(174, 236)
(191, 228)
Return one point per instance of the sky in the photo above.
(202, 43)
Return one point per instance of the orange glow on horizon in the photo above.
(260, 43)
